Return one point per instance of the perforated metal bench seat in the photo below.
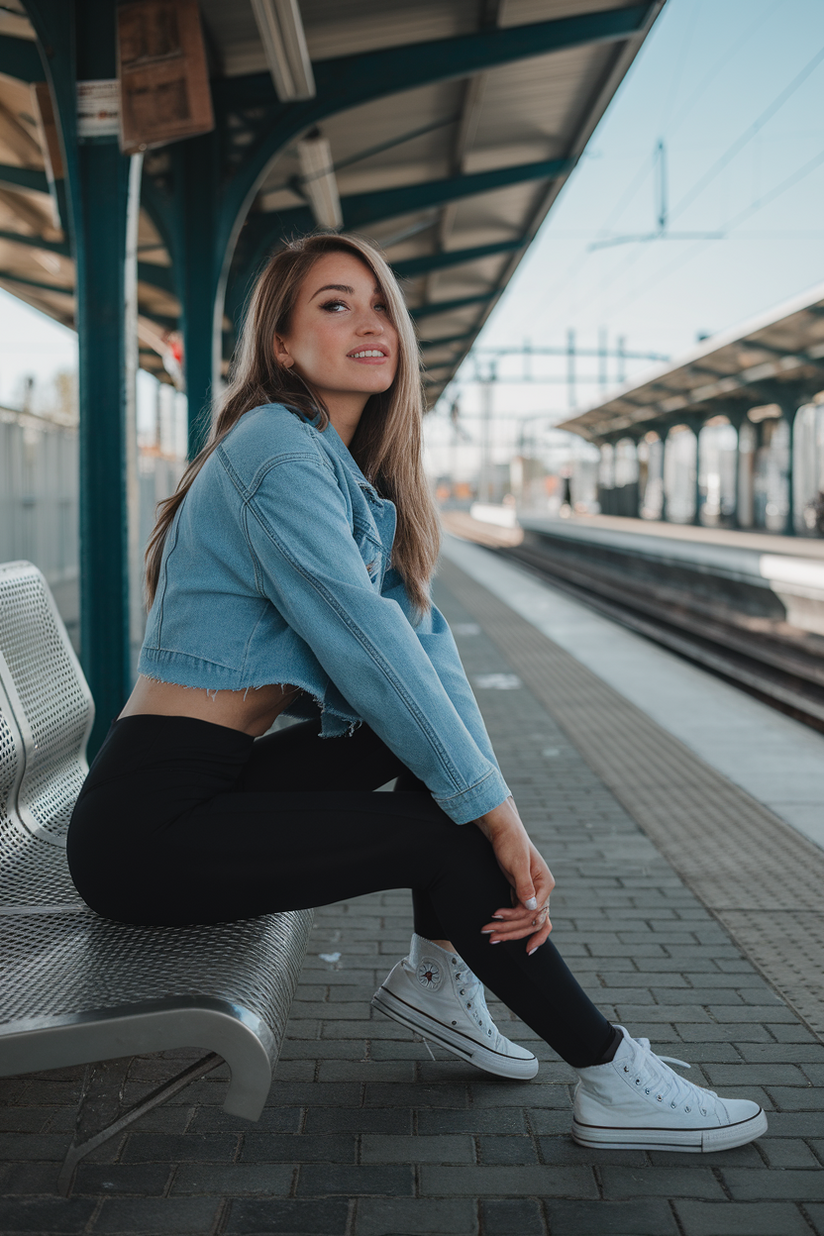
(76, 988)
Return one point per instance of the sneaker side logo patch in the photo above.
(429, 974)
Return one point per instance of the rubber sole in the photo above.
(460, 1045)
(687, 1141)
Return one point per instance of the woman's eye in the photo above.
(331, 306)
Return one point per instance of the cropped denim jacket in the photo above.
(277, 569)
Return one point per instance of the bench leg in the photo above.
(100, 1115)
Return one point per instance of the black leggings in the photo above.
(182, 821)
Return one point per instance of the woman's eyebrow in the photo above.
(333, 287)
(340, 287)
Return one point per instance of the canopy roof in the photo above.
(777, 357)
(453, 176)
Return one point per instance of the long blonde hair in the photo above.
(388, 443)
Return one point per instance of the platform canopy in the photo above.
(452, 126)
(443, 128)
(774, 359)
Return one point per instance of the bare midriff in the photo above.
(252, 711)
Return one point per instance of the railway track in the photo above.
(778, 664)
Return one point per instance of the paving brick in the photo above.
(533, 1095)
(507, 1150)
(388, 1071)
(390, 1120)
(814, 1211)
(416, 1217)
(618, 1182)
(509, 1120)
(797, 1098)
(316, 1094)
(279, 1148)
(788, 1152)
(797, 1186)
(30, 1179)
(740, 1219)
(637, 1218)
(505, 1181)
(329, 1217)
(235, 1180)
(26, 1119)
(139, 1179)
(502, 1218)
(439, 1148)
(167, 1148)
(359, 1181)
(49, 1146)
(147, 1217)
(45, 1215)
(272, 1119)
(770, 1075)
(379, 1094)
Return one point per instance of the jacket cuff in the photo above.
(478, 799)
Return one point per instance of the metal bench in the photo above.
(79, 989)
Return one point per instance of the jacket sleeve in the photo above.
(310, 567)
(439, 645)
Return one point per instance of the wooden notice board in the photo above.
(164, 80)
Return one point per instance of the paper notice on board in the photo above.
(98, 108)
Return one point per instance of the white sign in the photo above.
(98, 108)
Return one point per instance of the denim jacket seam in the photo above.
(377, 659)
(448, 798)
(247, 490)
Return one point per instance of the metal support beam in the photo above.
(37, 242)
(360, 209)
(449, 306)
(19, 58)
(23, 178)
(103, 194)
(411, 267)
(8, 277)
(448, 339)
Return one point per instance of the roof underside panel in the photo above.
(431, 140)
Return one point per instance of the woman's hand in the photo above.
(530, 877)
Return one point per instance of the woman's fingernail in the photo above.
(494, 942)
(532, 950)
(487, 931)
(531, 903)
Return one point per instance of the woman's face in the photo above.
(340, 339)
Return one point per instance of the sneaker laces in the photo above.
(653, 1074)
(471, 992)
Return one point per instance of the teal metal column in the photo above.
(78, 38)
(664, 435)
(198, 259)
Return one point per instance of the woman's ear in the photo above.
(282, 355)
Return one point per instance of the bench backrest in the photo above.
(46, 709)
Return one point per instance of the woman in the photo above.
(289, 575)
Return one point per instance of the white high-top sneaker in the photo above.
(637, 1102)
(434, 992)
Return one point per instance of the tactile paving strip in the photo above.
(761, 878)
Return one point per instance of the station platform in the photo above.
(681, 821)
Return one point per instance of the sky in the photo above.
(735, 91)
